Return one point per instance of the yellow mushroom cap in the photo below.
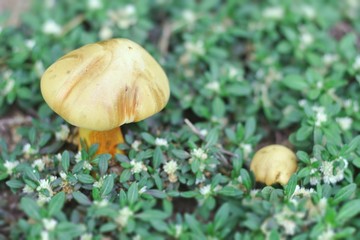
(103, 85)
(274, 164)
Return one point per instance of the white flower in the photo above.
(87, 165)
(301, 191)
(327, 235)
(105, 33)
(78, 157)
(314, 180)
(320, 115)
(123, 216)
(143, 189)
(10, 166)
(27, 189)
(306, 39)
(170, 167)
(178, 230)
(136, 237)
(124, 17)
(302, 102)
(99, 183)
(42, 199)
(213, 86)
(45, 235)
(205, 190)
(239, 179)
(135, 145)
(63, 134)
(49, 224)
(356, 64)
(39, 164)
(39, 68)
(247, 149)
(308, 11)
(333, 174)
(86, 236)
(161, 142)
(137, 167)
(30, 43)
(274, 13)
(196, 48)
(52, 28)
(189, 16)
(28, 150)
(329, 59)
(103, 203)
(10, 83)
(283, 219)
(203, 132)
(199, 153)
(344, 123)
(63, 175)
(94, 4)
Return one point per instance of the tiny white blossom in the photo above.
(44, 235)
(123, 216)
(199, 153)
(213, 86)
(326, 235)
(137, 167)
(135, 145)
(332, 174)
(29, 150)
(42, 199)
(124, 17)
(63, 133)
(306, 39)
(203, 132)
(50, 27)
(308, 11)
(319, 85)
(94, 4)
(49, 224)
(356, 64)
(161, 142)
(329, 59)
(27, 189)
(105, 33)
(87, 165)
(143, 189)
(275, 13)
(10, 166)
(178, 230)
(136, 237)
(78, 157)
(39, 164)
(103, 203)
(63, 175)
(196, 48)
(320, 115)
(247, 149)
(239, 179)
(170, 167)
(314, 180)
(30, 43)
(189, 16)
(301, 191)
(344, 123)
(10, 84)
(205, 190)
(86, 236)
(302, 102)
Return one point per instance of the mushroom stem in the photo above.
(107, 140)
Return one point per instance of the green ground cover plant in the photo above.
(243, 74)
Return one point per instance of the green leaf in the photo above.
(65, 161)
(348, 211)
(133, 193)
(85, 178)
(291, 186)
(103, 163)
(344, 193)
(148, 138)
(188, 194)
(14, 183)
(218, 108)
(56, 203)
(230, 191)
(295, 82)
(181, 154)
(250, 127)
(31, 173)
(81, 198)
(222, 216)
(30, 207)
(125, 175)
(158, 158)
(246, 179)
(156, 193)
(304, 132)
(107, 185)
(108, 227)
(69, 230)
(150, 215)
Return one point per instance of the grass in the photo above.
(243, 75)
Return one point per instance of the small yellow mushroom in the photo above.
(104, 85)
(274, 164)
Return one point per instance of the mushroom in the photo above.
(273, 164)
(103, 85)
